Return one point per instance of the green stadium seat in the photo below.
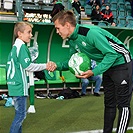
(103, 7)
(121, 6)
(128, 14)
(121, 1)
(69, 78)
(121, 14)
(115, 13)
(40, 78)
(121, 22)
(120, 25)
(2, 76)
(83, 2)
(39, 82)
(129, 22)
(129, 18)
(127, 5)
(130, 26)
(57, 80)
(112, 1)
(88, 9)
(128, 9)
(113, 5)
(102, 24)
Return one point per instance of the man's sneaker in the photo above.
(82, 94)
(40, 95)
(50, 95)
(96, 94)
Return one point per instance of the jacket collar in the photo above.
(74, 35)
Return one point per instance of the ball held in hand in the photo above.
(79, 62)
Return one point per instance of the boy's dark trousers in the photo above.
(117, 83)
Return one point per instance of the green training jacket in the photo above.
(99, 45)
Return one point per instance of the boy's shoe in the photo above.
(9, 102)
(4, 96)
(96, 94)
(40, 95)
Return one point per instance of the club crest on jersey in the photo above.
(83, 43)
(77, 49)
(27, 60)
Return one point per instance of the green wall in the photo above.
(57, 51)
(6, 35)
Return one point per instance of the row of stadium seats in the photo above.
(116, 1)
(121, 11)
(83, 2)
(66, 80)
(125, 22)
(122, 22)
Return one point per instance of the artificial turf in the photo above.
(60, 116)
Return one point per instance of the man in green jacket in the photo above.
(114, 62)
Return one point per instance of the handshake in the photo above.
(51, 66)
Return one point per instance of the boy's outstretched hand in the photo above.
(51, 66)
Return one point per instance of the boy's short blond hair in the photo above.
(20, 26)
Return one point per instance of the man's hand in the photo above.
(51, 66)
(86, 74)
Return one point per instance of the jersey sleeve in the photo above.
(101, 43)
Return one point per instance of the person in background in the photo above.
(18, 65)
(96, 15)
(90, 2)
(107, 14)
(58, 6)
(115, 63)
(97, 79)
(77, 5)
(104, 2)
(94, 2)
(99, 2)
(113, 24)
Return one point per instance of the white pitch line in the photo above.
(99, 131)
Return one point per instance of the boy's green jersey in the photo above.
(18, 59)
(99, 45)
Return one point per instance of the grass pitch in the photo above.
(60, 116)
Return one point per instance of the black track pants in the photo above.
(117, 82)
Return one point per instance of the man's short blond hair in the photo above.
(20, 26)
(65, 16)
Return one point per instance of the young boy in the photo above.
(19, 63)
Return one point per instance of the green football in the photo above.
(79, 62)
